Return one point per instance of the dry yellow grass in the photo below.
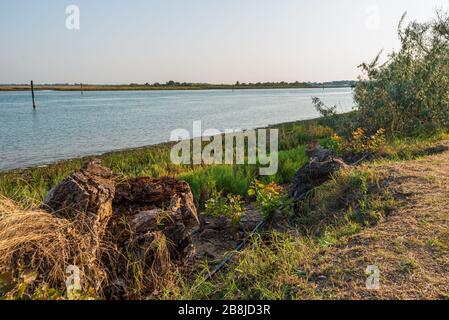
(36, 247)
(34, 241)
(411, 247)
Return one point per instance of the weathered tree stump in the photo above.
(85, 196)
(321, 167)
(153, 205)
(150, 220)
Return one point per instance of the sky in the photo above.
(139, 41)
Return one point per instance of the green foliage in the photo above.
(409, 94)
(46, 293)
(20, 288)
(359, 143)
(206, 181)
(269, 198)
(230, 206)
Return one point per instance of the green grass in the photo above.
(270, 268)
(292, 135)
(411, 148)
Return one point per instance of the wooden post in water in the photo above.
(81, 88)
(32, 94)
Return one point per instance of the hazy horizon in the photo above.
(201, 41)
(162, 83)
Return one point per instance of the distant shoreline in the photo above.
(6, 88)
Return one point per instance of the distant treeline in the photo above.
(173, 85)
(282, 84)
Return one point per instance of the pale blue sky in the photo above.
(198, 40)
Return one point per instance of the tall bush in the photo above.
(409, 94)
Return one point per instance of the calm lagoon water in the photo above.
(67, 124)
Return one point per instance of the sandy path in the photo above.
(411, 247)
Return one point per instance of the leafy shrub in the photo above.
(230, 206)
(359, 143)
(269, 198)
(409, 94)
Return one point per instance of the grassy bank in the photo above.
(30, 186)
(278, 263)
